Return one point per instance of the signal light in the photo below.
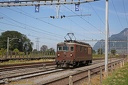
(58, 55)
(52, 17)
(71, 55)
(63, 16)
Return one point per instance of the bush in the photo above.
(15, 51)
(2, 51)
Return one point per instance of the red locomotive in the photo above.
(73, 53)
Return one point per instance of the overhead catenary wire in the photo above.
(38, 18)
(49, 33)
(29, 15)
(83, 19)
(125, 13)
(26, 14)
(117, 14)
(20, 26)
(47, 38)
(29, 29)
(96, 13)
(82, 28)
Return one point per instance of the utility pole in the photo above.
(127, 44)
(106, 40)
(7, 46)
(8, 40)
(57, 11)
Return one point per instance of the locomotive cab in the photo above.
(65, 54)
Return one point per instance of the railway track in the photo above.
(15, 77)
(53, 76)
(77, 74)
(75, 77)
(26, 65)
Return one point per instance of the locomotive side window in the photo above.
(72, 48)
(59, 48)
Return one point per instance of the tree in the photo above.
(93, 51)
(51, 50)
(44, 48)
(16, 40)
(113, 51)
(100, 51)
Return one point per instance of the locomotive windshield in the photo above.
(59, 48)
(62, 48)
(65, 48)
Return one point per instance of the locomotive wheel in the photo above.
(58, 66)
(67, 65)
(76, 64)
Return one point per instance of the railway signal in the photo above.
(38, 3)
(64, 16)
(37, 8)
(77, 7)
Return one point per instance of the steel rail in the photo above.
(28, 75)
(26, 65)
(77, 75)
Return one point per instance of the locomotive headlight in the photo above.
(71, 54)
(58, 54)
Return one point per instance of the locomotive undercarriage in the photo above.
(66, 64)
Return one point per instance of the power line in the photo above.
(29, 29)
(81, 27)
(83, 19)
(117, 14)
(125, 12)
(49, 33)
(96, 13)
(29, 15)
(39, 20)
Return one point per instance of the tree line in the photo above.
(16, 41)
(100, 51)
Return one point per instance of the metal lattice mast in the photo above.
(37, 44)
(41, 2)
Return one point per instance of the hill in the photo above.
(116, 41)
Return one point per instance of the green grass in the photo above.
(118, 77)
(10, 62)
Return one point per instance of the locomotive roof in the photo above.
(74, 41)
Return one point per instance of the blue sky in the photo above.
(51, 31)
